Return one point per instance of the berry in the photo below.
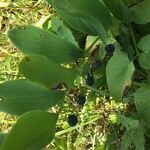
(110, 48)
(72, 120)
(80, 99)
(89, 80)
(95, 65)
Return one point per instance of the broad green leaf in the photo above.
(79, 36)
(2, 138)
(40, 69)
(142, 102)
(119, 9)
(119, 72)
(128, 122)
(81, 23)
(33, 131)
(33, 40)
(62, 31)
(93, 8)
(144, 60)
(20, 96)
(126, 141)
(134, 133)
(78, 14)
(144, 45)
(142, 12)
(135, 136)
(129, 3)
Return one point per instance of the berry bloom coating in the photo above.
(80, 99)
(72, 120)
(89, 80)
(110, 48)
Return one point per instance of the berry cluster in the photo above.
(79, 99)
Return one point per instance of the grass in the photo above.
(14, 14)
(93, 121)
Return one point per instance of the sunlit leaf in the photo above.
(119, 73)
(20, 96)
(41, 70)
(33, 40)
(33, 131)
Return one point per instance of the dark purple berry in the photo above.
(72, 120)
(110, 48)
(80, 99)
(95, 65)
(89, 80)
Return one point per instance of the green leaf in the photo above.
(80, 37)
(2, 138)
(33, 131)
(144, 60)
(142, 12)
(62, 31)
(136, 137)
(95, 8)
(134, 133)
(142, 102)
(119, 72)
(126, 141)
(129, 3)
(41, 70)
(78, 15)
(33, 40)
(119, 10)
(20, 96)
(144, 45)
(128, 122)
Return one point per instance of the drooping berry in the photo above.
(110, 48)
(80, 99)
(95, 65)
(89, 80)
(72, 120)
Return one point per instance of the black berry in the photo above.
(95, 65)
(89, 80)
(72, 120)
(80, 99)
(110, 48)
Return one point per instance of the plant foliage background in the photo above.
(86, 63)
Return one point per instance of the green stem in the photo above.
(142, 73)
(101, 92)
(141, 84)
(134, 41)
(76, 127)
